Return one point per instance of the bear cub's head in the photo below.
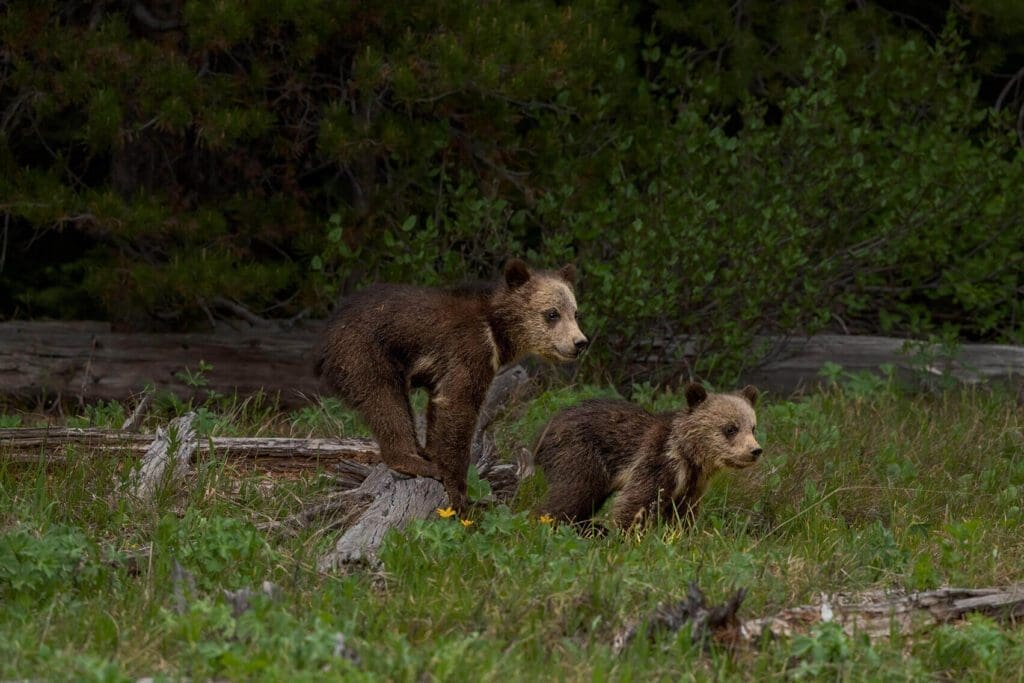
(538, 308)
(721, 427)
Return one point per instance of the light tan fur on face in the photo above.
(535, 312)
(555, 341)
(706, 424)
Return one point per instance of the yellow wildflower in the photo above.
(466, 522)
(546, 519)
(445, 513)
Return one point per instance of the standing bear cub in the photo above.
(388, 339)
(658, 464)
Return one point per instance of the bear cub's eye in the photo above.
(730, 431)
(552, 315)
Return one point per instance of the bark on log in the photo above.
(48, 445)
(875, 613)
(87, 360)
(167, 458)
(880, 613)
(795, 363)
(391, 503)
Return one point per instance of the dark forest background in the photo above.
(724, 169)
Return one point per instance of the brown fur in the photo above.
(658, 464)
(388, 339)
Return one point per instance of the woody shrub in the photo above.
(716, 172)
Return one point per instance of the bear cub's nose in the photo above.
(581, 344)
(757, 452)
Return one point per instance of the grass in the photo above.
(862, 487)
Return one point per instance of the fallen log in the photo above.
(796, 362)
(878, 614)
(50, 445)
(89, 361)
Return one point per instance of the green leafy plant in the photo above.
(34, 566)
(720, 175)
(10, 421)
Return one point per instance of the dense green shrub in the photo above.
(724, 170)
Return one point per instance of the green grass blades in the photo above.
(861, 487)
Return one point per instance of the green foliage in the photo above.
(477, 489)
(10, 421)
(109, 414)
(36, 566)
(979, 648)
(723, 170)
(215, 547)
(328, 416)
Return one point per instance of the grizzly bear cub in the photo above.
(658, 464)
(388, 339)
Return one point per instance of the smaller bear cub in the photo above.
(658, 464)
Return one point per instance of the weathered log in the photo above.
(167, 458)
(48, 445)
(796, 362)
(877, 614)
(87, 360)
(391, 503)
(371, 499)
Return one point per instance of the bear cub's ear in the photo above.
(568, 273)
(750, 393)
(516, 273)
(695, 394)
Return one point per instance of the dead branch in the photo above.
(134, 421)
(708, 621)
(169, 455)
(240, 599)
(146, 17)
(241, 311)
